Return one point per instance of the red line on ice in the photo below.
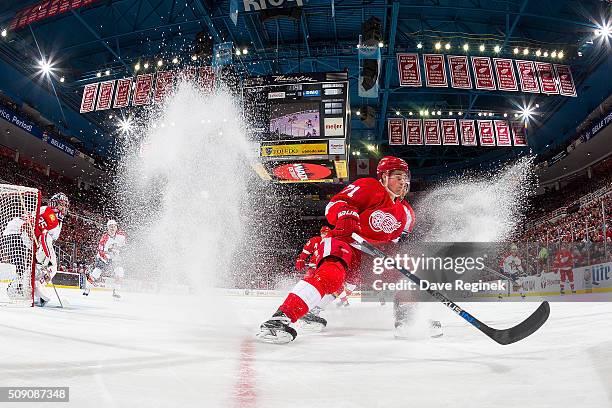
(245, 393)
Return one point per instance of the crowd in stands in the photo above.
(574, 213)
(82, 229)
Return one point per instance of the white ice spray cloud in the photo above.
(181, 184)
(481, 208)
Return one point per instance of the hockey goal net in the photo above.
(19, 211)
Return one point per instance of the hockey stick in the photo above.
(503, 336)
(57, 294)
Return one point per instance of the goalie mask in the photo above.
(60, 202)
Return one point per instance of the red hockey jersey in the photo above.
(382, 219)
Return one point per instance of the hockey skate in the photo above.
(312, 322)
(116, 295)
(276, 330)
(435, 329)
(86, 292)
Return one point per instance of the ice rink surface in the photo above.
(181, 351)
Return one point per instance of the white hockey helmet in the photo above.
(111, 222)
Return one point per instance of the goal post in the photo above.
(19, 212)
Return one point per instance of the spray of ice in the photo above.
(181, 181)
(481, 208)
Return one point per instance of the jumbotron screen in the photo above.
(297, 107)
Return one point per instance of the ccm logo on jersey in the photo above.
(385, 222)
(348, 214)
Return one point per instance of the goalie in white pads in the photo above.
(21, 230)
(108, 259)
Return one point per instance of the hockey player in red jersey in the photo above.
(370, 207)
(311, 250)
(46, 231)
(107, 258)
(564, 264)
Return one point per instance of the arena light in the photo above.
(371, 147)
(460, 113)
(397, 113)
(4, 33)
(497, 49)
(466, 47)
(447, 46)
(358, 112)
(526, 51)
(137, 67)
(505, 115)
(409, 113)
(45, 67)
(125, 125)
(604, 30)
(553, 54)
(450, 113)
(515, 50)
(107, 72)
(62, 79)
(538, 53)
(479, 113)
(526, 112)
(481, 48)
(438, 46)
(420, 45)
(194, 57)
(245, 51)
(422, 113)
(545, 54)
(439, 113)
(160, 63)
(146, 65)
(175, 60)
(381, 44)
(98, 74)
(238, 52)
(560, 55)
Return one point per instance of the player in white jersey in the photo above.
(511, 266)
(108, 258)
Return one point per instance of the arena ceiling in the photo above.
(112, 36)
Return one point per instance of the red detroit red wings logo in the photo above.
(385, 222)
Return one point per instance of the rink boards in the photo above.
(588, 279)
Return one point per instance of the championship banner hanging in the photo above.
(369, 57)
(527, 76)
(449, 132)
(409, 70)
(468, 132)
(414, 131)
(566, 80)
(432, 132)
(142, 94)
(548, 82)
(89, 97)
(396, 131)
(106, 95)
(459, 71)
(502, 132)
(519, 135)
(122, 95)
(485, 129)
(506, 80)
(163, 84)
(483, 73)
(435, 72)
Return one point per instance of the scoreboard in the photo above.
(299, 126)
